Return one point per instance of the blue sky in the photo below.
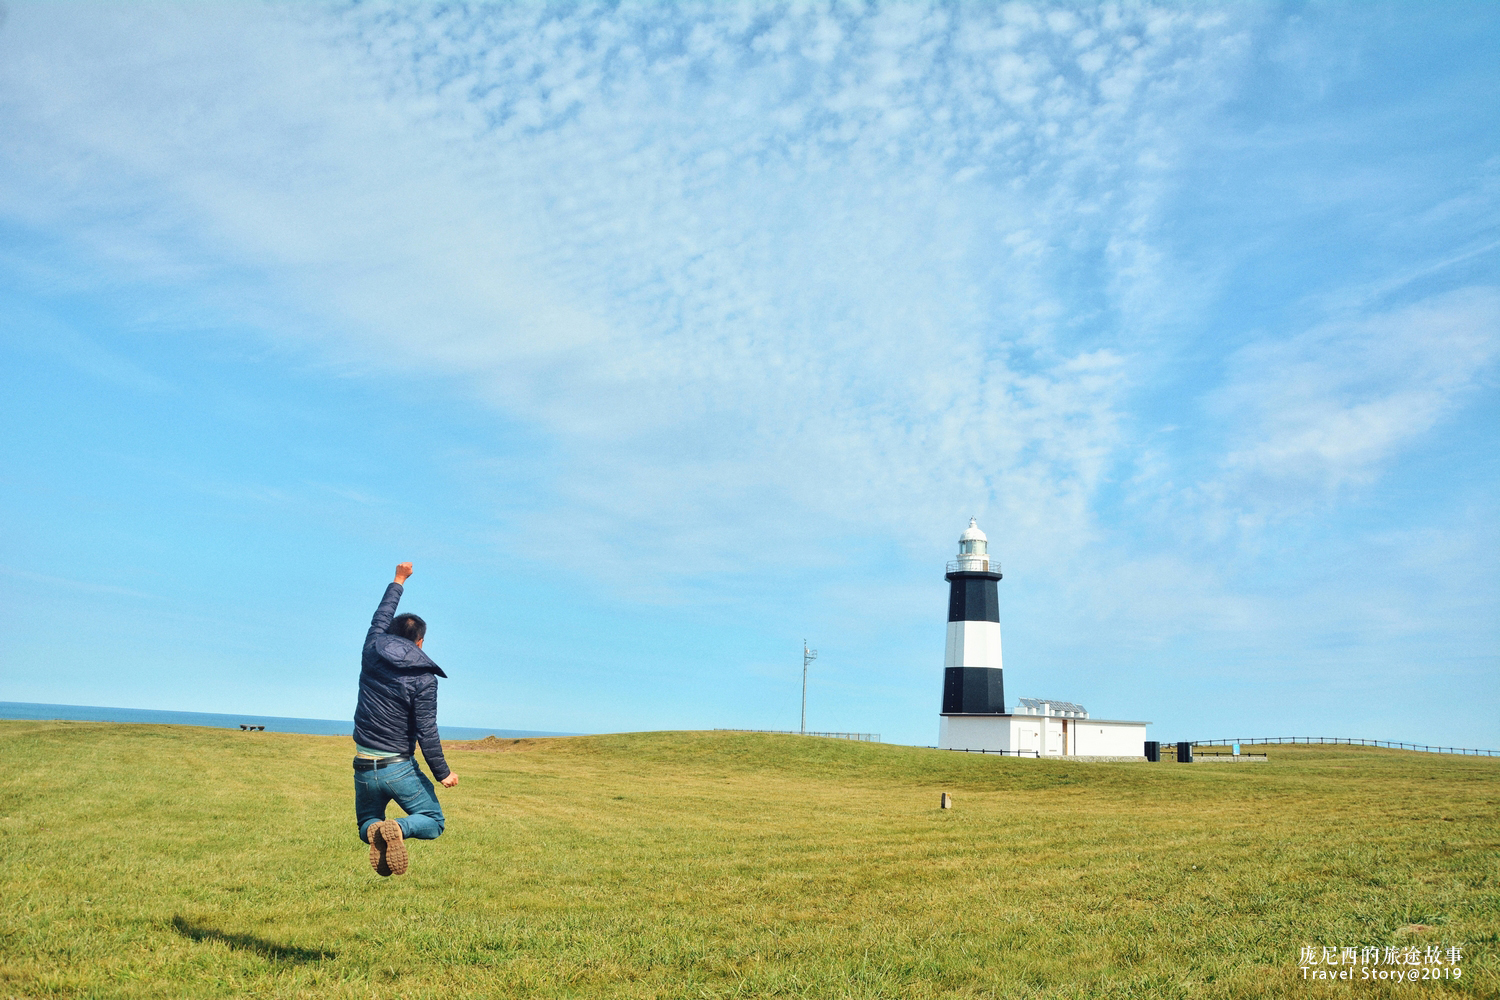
(662, 337)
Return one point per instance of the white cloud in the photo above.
(1330, 407)
(718, 269)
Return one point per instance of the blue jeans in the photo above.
(409, 788)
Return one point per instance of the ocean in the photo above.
(273, 723)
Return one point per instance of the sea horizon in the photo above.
(42, 712)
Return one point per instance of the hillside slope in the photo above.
(170, 861)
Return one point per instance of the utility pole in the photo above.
(808, 655)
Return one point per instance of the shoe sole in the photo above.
(395, 847)
(377, 850)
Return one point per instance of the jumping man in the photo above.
(397, 710)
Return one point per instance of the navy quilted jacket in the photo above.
(398, 692)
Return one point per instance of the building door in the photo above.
(1028, 740)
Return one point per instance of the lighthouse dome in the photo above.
(973, 548)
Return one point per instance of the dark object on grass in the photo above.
(1153, 751)
(947, 802)
(1185, 753)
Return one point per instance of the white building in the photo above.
(973, 714)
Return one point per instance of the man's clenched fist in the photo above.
(403, 572)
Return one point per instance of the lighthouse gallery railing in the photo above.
(959, 566)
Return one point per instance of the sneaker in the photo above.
(387, 848)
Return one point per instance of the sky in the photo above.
(662, 337)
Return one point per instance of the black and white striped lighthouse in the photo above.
(972, 678)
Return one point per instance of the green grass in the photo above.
(153, 861)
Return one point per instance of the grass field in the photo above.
(155, 861)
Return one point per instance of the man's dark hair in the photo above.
(408, 627)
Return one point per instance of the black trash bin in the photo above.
(1185, 753)
(1153, 751)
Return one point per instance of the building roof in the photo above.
(1058, 707)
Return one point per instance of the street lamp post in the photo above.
(808, 655)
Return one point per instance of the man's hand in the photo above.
(403, 572)
(451, 780)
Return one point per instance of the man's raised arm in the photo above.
(387, 609)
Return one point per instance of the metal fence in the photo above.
(1197, 755)
(1358, 743)
(864, 737)
(1003, 753)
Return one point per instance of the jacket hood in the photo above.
(403, 654)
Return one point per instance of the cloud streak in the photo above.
(1328, 408)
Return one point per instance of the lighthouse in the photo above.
(973, 716)
(973, 681)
